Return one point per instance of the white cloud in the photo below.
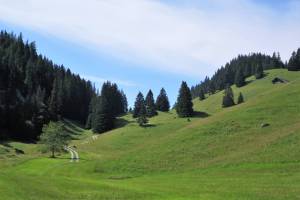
(100, 81)
(177, 39)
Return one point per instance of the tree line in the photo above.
(236, 71)
(146, 107)
(34, 91)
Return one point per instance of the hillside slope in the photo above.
(220, 154)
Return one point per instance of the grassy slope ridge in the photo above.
(223, 154)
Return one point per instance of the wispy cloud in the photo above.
(193, 39)
(100, 81)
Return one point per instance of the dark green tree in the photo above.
(138, 105)
(228, 98)
(55, 105)
(259, 72)
(142, 116)
(103, 119)
(240, 98)
(184, 105)
(150, 105)
(201, 95)
(239, 78)
(162, 101)
(294, 61)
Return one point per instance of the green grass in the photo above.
(225, 155)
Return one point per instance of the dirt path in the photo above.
(74, 154)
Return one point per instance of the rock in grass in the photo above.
(263, 125)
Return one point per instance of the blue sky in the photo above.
(143, 44)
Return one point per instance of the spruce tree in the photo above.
(150, 105)
(162, 101)
(240, 98)
(228, 98)
(294, 61)
(184, 105)
(103, 119)
(239, 78)
(259, 72)
(201, 95)
(55, 104)
(138, 105)
(142, 116)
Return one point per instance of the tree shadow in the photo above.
(120, 122)
(198, 114)
(149, 125)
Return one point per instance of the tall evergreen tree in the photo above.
(162, 101)
(138, 105)
(201, 95)
(228, 98)
(294, 61)
(103, 119)
(239, 78)
(259, 72)
(184, 105)
(150, 105)
(124, 102)
(142, 116)
(55, 104)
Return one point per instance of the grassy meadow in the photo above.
(218, 154)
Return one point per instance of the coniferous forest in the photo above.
(34, 90)
(236, 71)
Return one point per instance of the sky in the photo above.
(149, 44)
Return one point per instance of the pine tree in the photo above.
(240, 98)
(142, 116)
(201, 94)
(259, 72)
(150, 105)
(228, 98)
(103, 119)
(294, 61)
(239, 78)
(55, 104)
(162, 101)
(124, 102)
(138, 105)
(184, 106)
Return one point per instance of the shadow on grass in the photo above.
(149, 125)
(120, 122)
(198, 114)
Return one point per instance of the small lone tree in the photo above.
(139, 103)
(228, 99)
(184, 105)
(150, 105)
(201, 95)
(142, 119)
(162, 101)
(240, 98)
(54, 137)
